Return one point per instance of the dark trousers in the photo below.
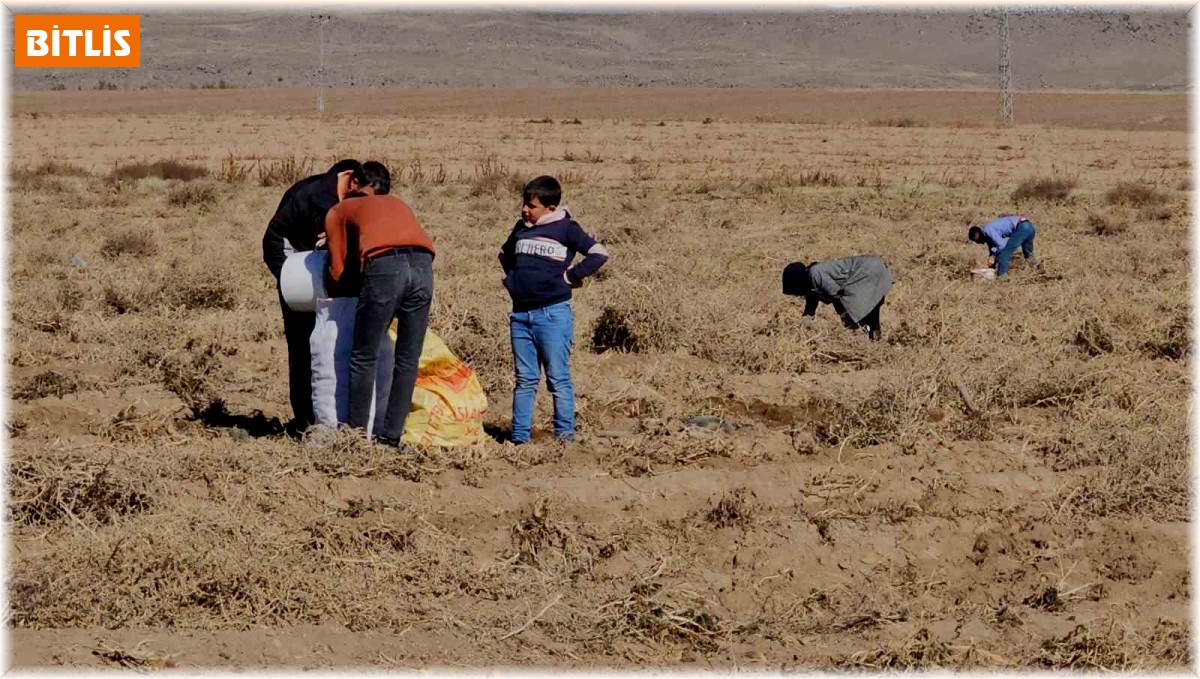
(871, 320)
(297, 327)
(397, 284)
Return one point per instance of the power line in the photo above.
(320, 20)
(1006, 113)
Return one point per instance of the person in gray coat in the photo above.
(855, 286)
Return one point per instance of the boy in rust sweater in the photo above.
(376, 240)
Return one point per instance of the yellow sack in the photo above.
(448, 403)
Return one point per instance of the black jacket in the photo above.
(300, 218)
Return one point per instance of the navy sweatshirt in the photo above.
(536, 257)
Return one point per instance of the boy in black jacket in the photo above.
(538, 274)
(299, 222)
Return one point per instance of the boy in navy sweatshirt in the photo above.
(538, 274)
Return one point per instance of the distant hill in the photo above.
(1063, 49)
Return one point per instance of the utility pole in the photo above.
(1006, 114)
(320, 20)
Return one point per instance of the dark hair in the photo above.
(546, 188)
(375, 174)
(796, 279)
(345, 164)
(974, 234)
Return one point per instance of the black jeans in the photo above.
(394, 285)
(297, 328)
(871, 320)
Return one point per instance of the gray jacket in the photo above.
(857, 283)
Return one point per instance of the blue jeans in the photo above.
(1022, 237)
(543, 338)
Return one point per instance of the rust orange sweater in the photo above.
(356, 228)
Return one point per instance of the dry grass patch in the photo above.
(1043, 188)
(203, 196)
(160, 169)
(660, 616)
(134, 242)
(201, 289)
(53, 168)
(920, 652)
(1106, 225)
(284, 171)
(233, 171)
(491, 177)
(49, 492)
(736, 508)
(1107, 648)
(1134, 194)
(47, 383)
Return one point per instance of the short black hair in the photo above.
(375, 174)
(546, 188)
(345, 164)
(974, 234)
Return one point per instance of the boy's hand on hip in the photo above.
(568, 280)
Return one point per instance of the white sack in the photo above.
(302, 279)
(331, 341)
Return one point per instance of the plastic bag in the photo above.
(448, 403)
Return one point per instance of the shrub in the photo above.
(70, 296)
(1043, 188)
(233, 171)
(1135, 194)
(1103, 225)
(162, 169)
(1157, 213)
(194, 375)
(612, 331)
(493, 177)
(1175, 342)
(819, 178)
(52, 493)
(205, 289)
(893, 122)
(123, 300)
(1094, 337)
(284, 171)
(55, 168)
(417, 175)
(134, 242)
(188, 195)
(46, 383)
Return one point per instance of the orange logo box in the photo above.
(77, 40)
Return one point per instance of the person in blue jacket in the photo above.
(1003, 236)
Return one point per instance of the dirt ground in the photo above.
(1000, 483)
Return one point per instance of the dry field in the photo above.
(1001, 483)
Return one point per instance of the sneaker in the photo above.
(295, 428)
(385, 441)
(319, 437)
(875, 334)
